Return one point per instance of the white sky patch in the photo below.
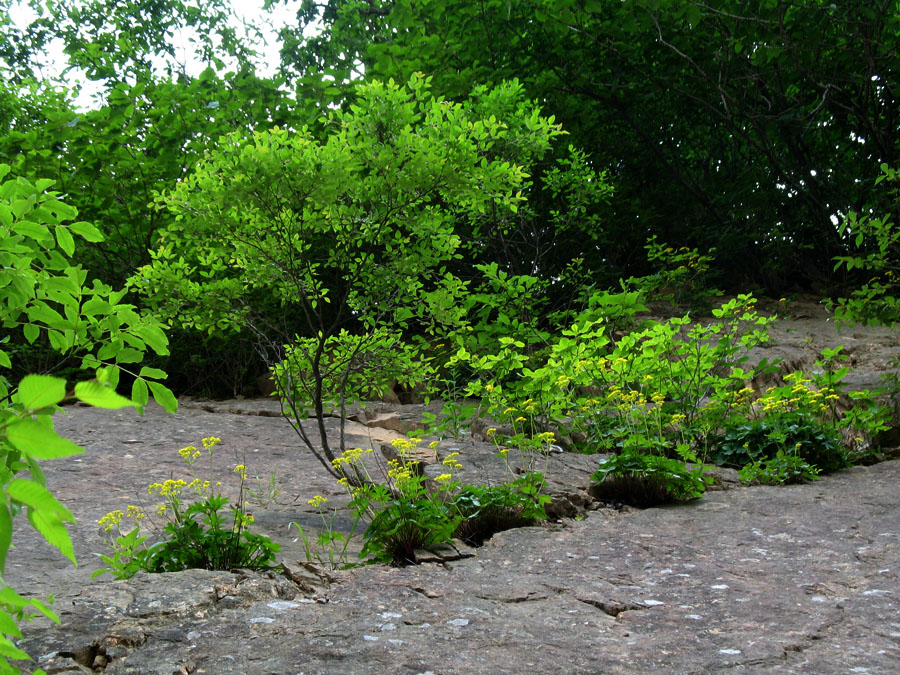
(251, 11)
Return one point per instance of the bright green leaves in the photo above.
(44, 295)
(45, 512)
(41, 391)
(340, 225)
(95, 394)
(36, 439)
(163, 397)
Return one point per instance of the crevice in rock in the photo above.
(611, 607)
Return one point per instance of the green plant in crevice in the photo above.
(405, 513)
(203, 529)
(646, 479)
(330, 541)
(783, 468)
(410, 510)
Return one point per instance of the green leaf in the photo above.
(86, 231)
(8, 626)
(100, 396)
(154, 336)
(5, 535)
(65, 240)
(164, 397)
(38, 497)
(51, 527)
(129, 355)
(155, 373)
(31, 332)
(139, 393)
(41, 391)
(8, 650)
(35, 439)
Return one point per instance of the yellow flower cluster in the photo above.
(401, 474)
(800, 397)
(350, 457)
(199, 485)
(111, 520)
(404, 445)
(114, 518)
(451, 461)
(317, 501)
(189, 454)
(170, 488)
(210, 441)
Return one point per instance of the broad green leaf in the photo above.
(65, 240)
(154, 373)
(38, 497)
(8, 650)
(8, 626)
(109, 350)
(164, 397)
(155, 337)
(139, 393)
(129, 355)
(32, 438)
(31, 332)
(40, 391)
(51, 527)
(33, 230)
(100, 396)
(86, 231)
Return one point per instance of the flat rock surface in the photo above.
(766, 579)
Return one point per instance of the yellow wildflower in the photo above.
(317, 501)
(110, 520)
(241, 470)
(210, 441)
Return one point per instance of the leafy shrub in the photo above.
(877, 241)
(780, 469)
(763, 439)
(350, 232)
(684, 277)
(205, 533)
(410, 511)
(488, 509)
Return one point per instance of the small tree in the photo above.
(350, 233)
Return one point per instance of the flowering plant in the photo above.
(410, 510)
(200, 533)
